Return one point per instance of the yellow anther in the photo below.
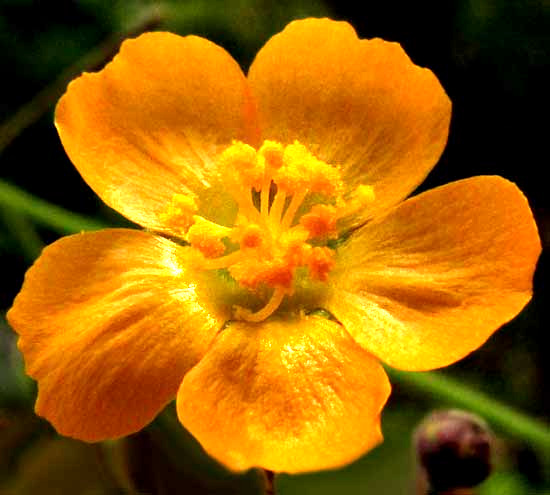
(206, 237)
(293, 176)
(364, 194)
(303, 171)
(360, 198)
(320, 221)
(325, 179)
(241, 160)
(179, 212)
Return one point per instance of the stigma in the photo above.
(290, 205)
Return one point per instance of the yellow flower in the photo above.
(287, 186)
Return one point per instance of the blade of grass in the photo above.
(44, 213)
(23, 232)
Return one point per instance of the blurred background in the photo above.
(491, 56)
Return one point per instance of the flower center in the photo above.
(290, 205)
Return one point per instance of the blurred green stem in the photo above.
(440, 387)
(44, 213)
(33, 110)
(23, 232)
(431, 384)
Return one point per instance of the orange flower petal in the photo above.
(151, 122)
(361, 104)
(431, 281)
(284, 395)
(109, 323)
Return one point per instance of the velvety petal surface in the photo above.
(109, 323)
(284, 395)
(429, 282)
(151, 123)
(361, 104)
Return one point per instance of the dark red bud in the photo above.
(454, 449)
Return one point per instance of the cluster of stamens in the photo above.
(272, 236)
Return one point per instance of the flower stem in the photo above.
(44, 213)
(452, 491)
(444, 388)
(269, 480)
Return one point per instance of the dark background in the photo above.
(491, 56)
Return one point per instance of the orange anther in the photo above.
(206, 237)
(320, 261)
(272, 152)
(320, 221)
(251, 236)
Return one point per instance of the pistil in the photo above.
(272, 305)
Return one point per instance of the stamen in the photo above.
(179, 212)
(246, 206)
(290, 212)
(242, 171)
(294, 174)
(272, 154)
(241, 159)
(264, 198)
(206, 237)
(277, 207)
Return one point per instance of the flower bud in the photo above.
(454, 449)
